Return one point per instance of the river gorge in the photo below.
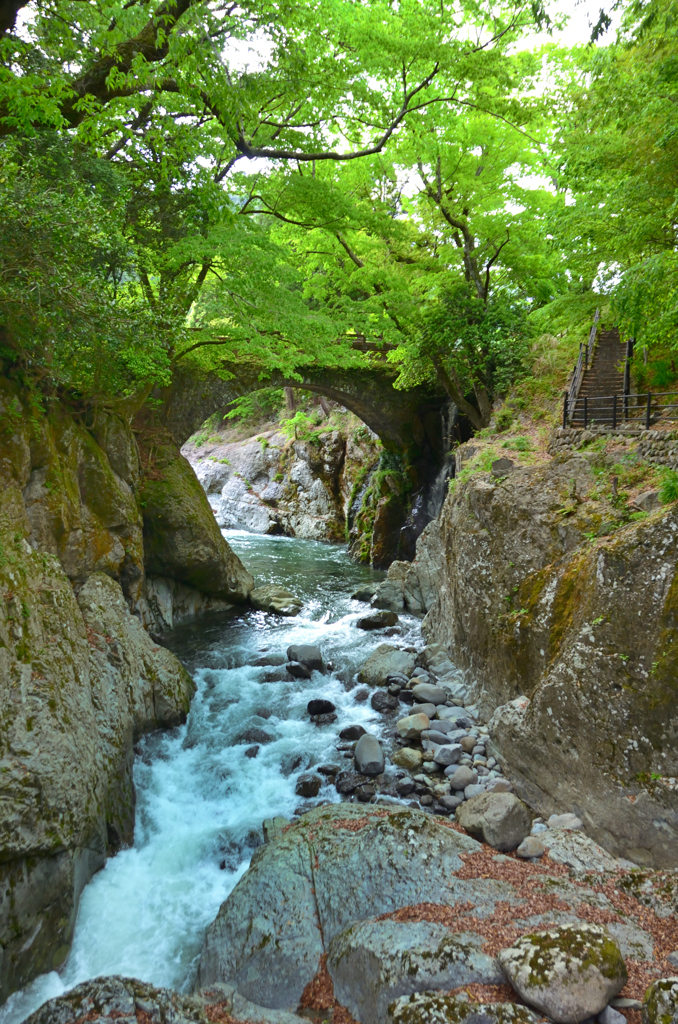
(176, 811)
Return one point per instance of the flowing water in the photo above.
(200, 798)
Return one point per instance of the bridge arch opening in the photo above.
(398, 492)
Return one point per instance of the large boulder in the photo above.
(385, 661)
(440, 1008)
(339, 865)
(181, 538)
(500, 819)
(115, 1000)
(660, 1003)
(569, 973)
(345, 864)
(375, 962)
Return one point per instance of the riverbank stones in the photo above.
(461, 777)
(383, 702)
(569, 973)
(447, 755)
(426, 693)
(411, 727)
(352, 732)
(409, 758)
(500, 819)
(320, 706)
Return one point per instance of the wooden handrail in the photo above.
(582, 364)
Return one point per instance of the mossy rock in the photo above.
(439, 1008)
(569, 973)
(660, 1004)
(181, 538)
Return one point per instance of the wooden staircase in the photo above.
(605, 376)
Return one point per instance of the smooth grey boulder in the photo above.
(338, 865)
(569, 973)
(369, 757)
(306, 654)
(500, 819)
(427, 693)
(660, 1002)
(440, 1008)
(386, 660)
(373, 963)
(115, 1000)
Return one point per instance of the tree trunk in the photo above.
(290, 400)
(454, 391)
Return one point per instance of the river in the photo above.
(201, 799)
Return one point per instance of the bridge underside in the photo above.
(409, 423)
(412, 426)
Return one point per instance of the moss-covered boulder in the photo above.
(568, 973)
(660, 1004)
(441, 1008)
(182, 541)
(107, 1000)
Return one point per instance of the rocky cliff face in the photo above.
(301, 488)
(80, 678)
(565, 622)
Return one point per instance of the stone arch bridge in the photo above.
(414, 427)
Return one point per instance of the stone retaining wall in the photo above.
(656, 446)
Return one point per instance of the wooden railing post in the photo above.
(648, 407)
(614, 412)
(586, 411)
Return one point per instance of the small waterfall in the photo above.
(438, 489)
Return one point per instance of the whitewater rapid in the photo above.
(200, 799)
